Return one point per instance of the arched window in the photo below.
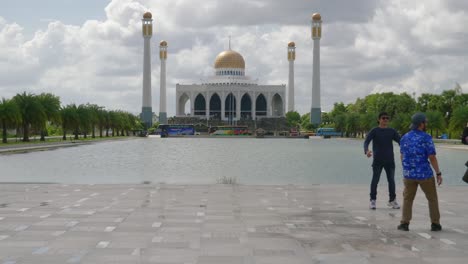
(200, 105)
(261, 106)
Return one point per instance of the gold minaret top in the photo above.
(291, 51)
(316, 16)
(147, 15)
(147, 24)
(163, 50)
(316, 26)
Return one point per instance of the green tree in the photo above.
(9, 116)
(338, 109)
(459, 120)
(367, 121)
(70, 120)
(114, 122)
(401, 123)
(51, 105)
(93, 117)
(102, 120)
(293, 118)
(340, 123)
(326, 119)
(32, 112)
(305, 122)
(85, 117)
(427, 102)
(352, 124)
(435, 122)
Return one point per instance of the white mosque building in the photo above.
(230, 95)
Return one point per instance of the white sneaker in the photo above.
(372, 205)
(393, 204)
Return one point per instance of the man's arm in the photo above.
(369, 138)
(396, 137)
(435, 165)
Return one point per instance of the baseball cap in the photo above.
(417, 119)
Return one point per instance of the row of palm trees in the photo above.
(28, 111)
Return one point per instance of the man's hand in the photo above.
(369, 154)
(439, 179)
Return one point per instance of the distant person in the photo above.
(465, 177)
(465, 135)
(382, 138)
(417, 154)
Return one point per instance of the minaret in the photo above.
(162, 94)
(291, 58)
(147, 110)
(315, 111)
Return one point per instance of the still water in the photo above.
(205, 160)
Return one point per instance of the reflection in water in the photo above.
(205, 160)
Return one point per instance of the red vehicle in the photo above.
(293, 132)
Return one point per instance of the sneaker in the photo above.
(436, 227)
(372, 205)
(393, 204)
(403, 227)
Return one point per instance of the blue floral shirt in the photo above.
(416, 146)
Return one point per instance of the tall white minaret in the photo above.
(162, 93)
(291, 58)
(147, 110)
(315, 111)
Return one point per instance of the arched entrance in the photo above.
(246, 107)
(230, 107)
(261, 106)
(277, 105)
(200, 105)
(215, 106)
(183, 108)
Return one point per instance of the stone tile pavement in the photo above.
(228, 224)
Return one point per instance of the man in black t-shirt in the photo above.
(382, 138)
(464, 138)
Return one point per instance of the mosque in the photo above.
(229, 94)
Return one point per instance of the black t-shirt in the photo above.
(382, 143)
(465, 134)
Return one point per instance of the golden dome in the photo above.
(147, 15)
(163, 43)
(316, 17)
(291, 44)
(229, 59)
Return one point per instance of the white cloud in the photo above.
(367, 46)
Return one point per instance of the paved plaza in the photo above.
(223, 224)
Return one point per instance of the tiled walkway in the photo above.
(223, 224)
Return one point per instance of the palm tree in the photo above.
(114, 122)
(84, 114)
(401, 123)
(102, 119)
(9, 116)
(93, 110)
(352, 124)
(459, 119)
(70, 120)
(435, 121)
(32, 112)
(366, 122)
(51, 105)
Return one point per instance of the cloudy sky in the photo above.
(91, 50)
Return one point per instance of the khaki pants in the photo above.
(429, 188)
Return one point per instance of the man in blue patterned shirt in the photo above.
(417, 155)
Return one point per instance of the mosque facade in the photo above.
(229, 94)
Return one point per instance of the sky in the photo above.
(92, 50)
